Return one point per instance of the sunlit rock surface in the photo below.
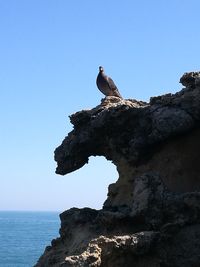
(152, 214)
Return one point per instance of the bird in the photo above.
(106, 85)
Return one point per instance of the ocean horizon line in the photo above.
(53, 211)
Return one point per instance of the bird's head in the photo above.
(101, 69)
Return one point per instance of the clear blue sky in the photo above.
(49, 54)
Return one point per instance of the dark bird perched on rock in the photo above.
(106, 84)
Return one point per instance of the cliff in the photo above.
(152, 214)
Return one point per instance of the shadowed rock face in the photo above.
(154, 208)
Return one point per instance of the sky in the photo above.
(50, 51)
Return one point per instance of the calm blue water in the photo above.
(24, 236)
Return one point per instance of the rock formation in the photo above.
(152, 214)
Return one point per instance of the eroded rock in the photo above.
(152, 214)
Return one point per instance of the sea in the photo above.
(24, 236)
